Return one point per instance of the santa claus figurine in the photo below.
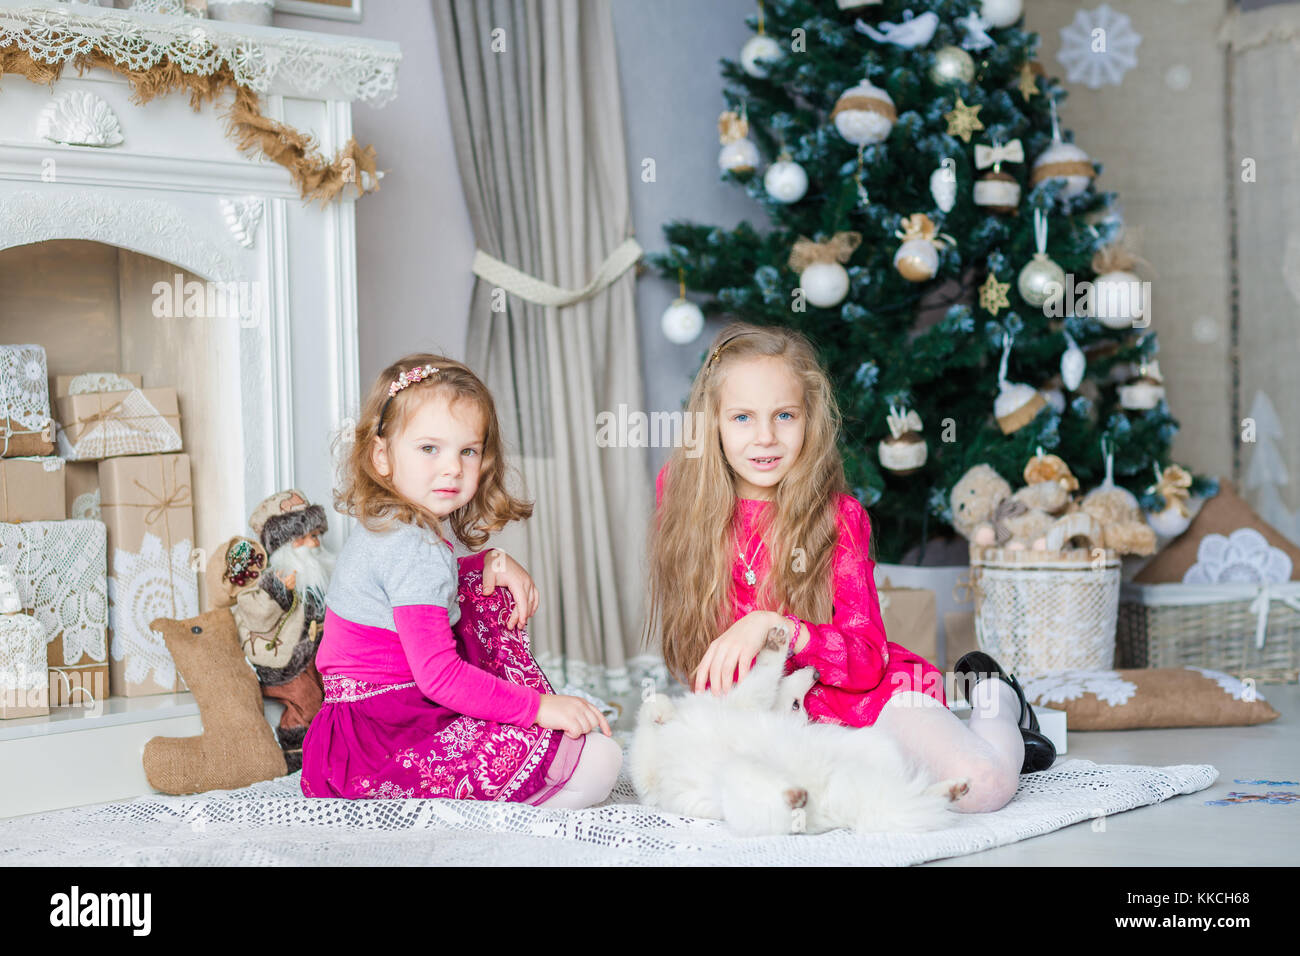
(290, 528)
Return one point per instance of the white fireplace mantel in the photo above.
(176, 188)
(167, 182)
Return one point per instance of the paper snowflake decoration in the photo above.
(1098, 47)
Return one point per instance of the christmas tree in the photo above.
(941, 240)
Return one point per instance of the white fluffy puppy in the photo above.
(752, 758)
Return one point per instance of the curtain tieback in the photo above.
(535, 290)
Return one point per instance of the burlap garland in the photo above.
(315, 176)
(1174, 486)
(857, 101)
(839, 248)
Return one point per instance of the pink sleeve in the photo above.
(850, 652)
(448, 679)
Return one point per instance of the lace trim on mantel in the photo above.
(293, 61)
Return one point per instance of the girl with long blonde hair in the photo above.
(755, 530)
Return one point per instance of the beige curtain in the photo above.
(1264, 131)
(533, 95)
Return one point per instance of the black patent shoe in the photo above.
(979, 663)
(1040, 753)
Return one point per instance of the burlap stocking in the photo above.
(237, 747)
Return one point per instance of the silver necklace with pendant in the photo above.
(750, 577)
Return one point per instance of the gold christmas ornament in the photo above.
(1017, 403)
(997, 191)
(963, 120)
(1028, 83)
(917, 259)
(952, 65)
(993, 295)
(1050, 468)
(1145, 391)
(1063, 161)
(905, 451)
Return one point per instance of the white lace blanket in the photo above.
(271, 823)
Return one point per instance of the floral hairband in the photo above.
(408, 377)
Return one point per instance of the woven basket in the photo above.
(1038, 611)
(1246, 630)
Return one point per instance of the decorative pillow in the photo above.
(1222, 514)
(1149, 697)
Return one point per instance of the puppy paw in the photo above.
(796, 797)
(949, 789)
(776, 638)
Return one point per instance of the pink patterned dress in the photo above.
(389, 740)
(860, 669)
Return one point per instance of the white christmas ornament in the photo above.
(943, 187)
(682, 322)
(1041, 279)
(1073, 364)
(1098, 47)
(1063, 161)
(758, 49)
(952, 66)
(786, 180)
(1001, 13)
(1017, 403)
(917, 259)
(864, 114)
(913, 32)
(1144, 392)
(905, 451)
(1173, 484)
(1118, 299)
(739, 154)
(824, 284)
(974, 26)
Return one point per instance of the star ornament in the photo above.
(1028, 82)
(993, 295)
(963, 120)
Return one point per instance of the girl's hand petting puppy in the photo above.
(500, 568)
(733, 651)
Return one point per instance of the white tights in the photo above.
(594, 776)
(988, 750)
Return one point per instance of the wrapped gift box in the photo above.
(82, 489)
(911, 619)
(32, 489)
(24, 678)
(25, 424)
(59, 569)
(146, 505)
(97, 425)
(85, 382)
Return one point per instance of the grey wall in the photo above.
(414, 243)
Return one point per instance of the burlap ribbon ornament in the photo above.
(1050, 468)
(732, 127)
(919, 226)
(1119, 256)
(1174, 485)
(839, 248)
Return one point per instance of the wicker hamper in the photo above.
(1246, 630)
(1037, 611)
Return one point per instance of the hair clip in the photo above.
(409, 378)
(722, 345)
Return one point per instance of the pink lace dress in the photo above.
(859, 667)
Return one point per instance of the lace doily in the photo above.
(133, 427)
(1234, 687)
(263, 58)
(272, 824)
(88, 383)
(24, 385)
(22, 653)
(144, 586)
(60, 567)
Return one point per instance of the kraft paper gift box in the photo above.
(83, 382)
(25, 424)
(32, 489)
(59, 569)
(910, 619)
(97, 425)
(146, 505)
(82, 482)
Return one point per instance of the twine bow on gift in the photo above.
(1006, 509)
(161, 507)
(995, 156)
(901, 422)
(1173, 485)
(839, 248)
(919, 226)
(1267, 594)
